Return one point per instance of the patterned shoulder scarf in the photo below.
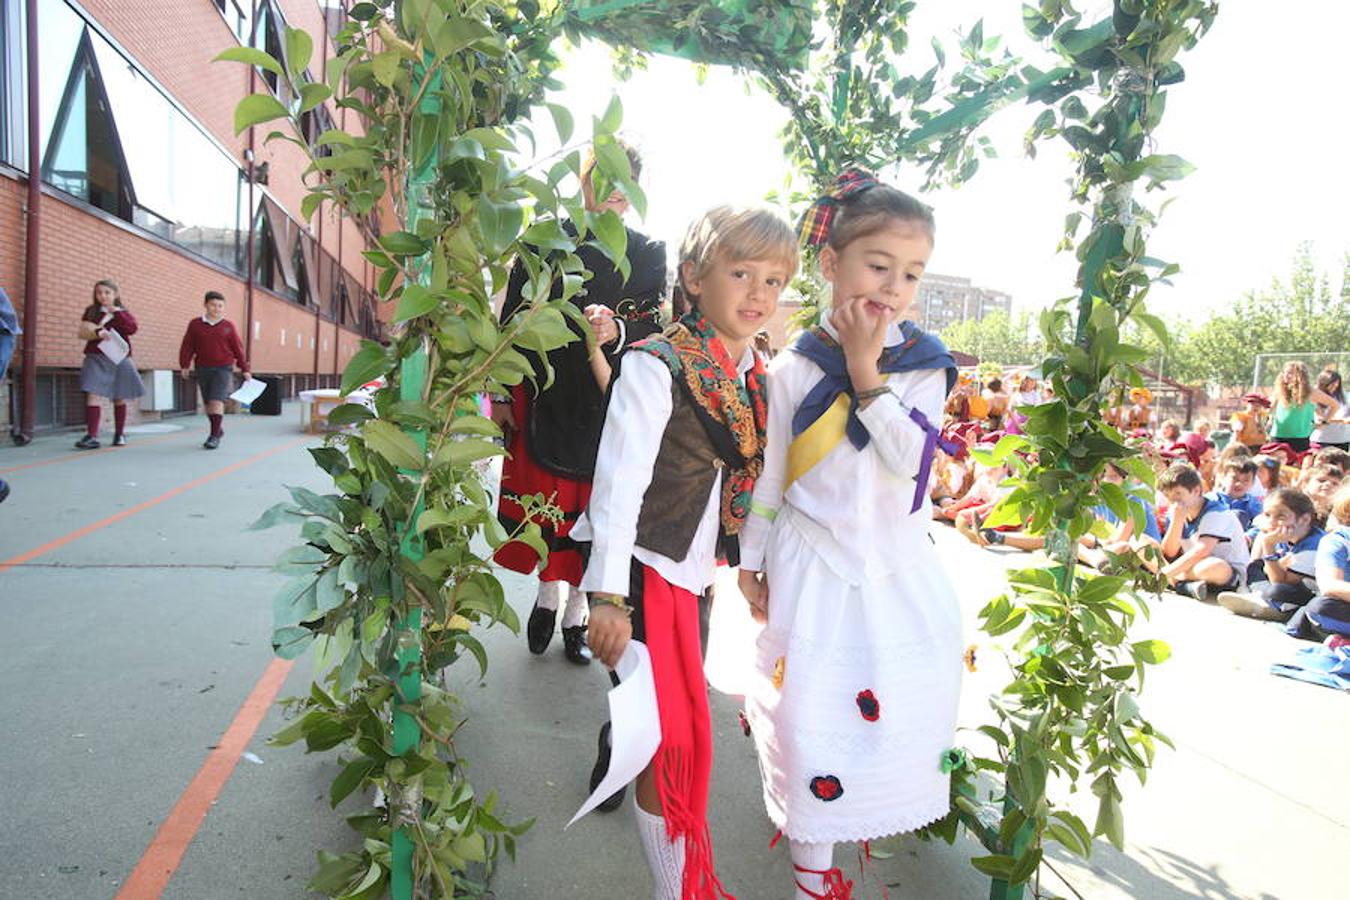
(733, 413)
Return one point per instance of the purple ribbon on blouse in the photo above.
(932, 439)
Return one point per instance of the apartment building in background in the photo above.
(946, 299)
(144, 181)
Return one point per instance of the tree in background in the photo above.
(1299, 314)
(997, 338)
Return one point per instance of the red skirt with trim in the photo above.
(523, 476)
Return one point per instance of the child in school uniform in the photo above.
(681, 446)
(1233, 488)
(1282, 575)
(1204, 545)
(1328, 614)
(858, 669)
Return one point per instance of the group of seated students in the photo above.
(1265, 535)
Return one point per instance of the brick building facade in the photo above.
(145, 182)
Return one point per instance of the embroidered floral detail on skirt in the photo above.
(869, 706)
(827, 788)
(969, 657)
(779, 670)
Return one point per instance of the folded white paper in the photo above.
(635, 729)
(115, 347)
(249, 391)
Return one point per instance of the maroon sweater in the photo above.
(123, 322)
(212, 345)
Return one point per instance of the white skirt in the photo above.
(855, 696)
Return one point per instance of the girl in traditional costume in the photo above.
(681, 446)
(858, 670)
(553, 434)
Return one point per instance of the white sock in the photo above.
(574, 613)
(550, 594)
(664, 857)
(818, 857)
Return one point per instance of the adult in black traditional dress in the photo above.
(553, 435)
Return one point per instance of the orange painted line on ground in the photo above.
(162, 858)
(85, 454)
(131, 511)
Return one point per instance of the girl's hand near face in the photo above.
(862, 334)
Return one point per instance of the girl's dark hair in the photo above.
(93, 312)
(1326, 378)
(1294, 500)
(870, 211)
(995, 384)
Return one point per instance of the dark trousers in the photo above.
(1284, 598)
(1322, 617)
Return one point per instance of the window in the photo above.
(237, 16)
(276, 250)
(12, 101)
(84, 155)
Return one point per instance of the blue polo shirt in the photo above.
(1247, 507)
(1304, 553)
(1103, 512)
(1333, 552)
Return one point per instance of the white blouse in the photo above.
(639, 410)
(854, 505)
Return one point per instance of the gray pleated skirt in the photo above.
(116, 381)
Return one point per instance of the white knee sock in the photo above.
(664, 857)
(550, 594)
(574, 613)
(817, 857)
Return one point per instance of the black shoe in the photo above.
(212, 442)
(88, 442)
(539, 629)
(574, 645)
(615, 800)
(119, 440)
(4, 490)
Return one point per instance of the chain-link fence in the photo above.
(1267, 366)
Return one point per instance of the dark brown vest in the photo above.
(686, 466)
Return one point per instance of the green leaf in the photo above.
(394, 444)
(311, 95)
(500, 224)
(995, 866)
(415, 301)
(275, 515)
(369, 363)
(299, 49)
(349, 779)
(562, 121)
(291, 641)
(1153, 652)
(462, 453)
(252, 57)
(386, 67)
(611, 236)
(328, 594)
(303, 560)
(609, 123)
(1111, 819)
(349, 414)
(403, 243)
(256, 109)
(475, 425)
(295, 602)
(448, 518)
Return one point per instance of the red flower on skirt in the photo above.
(869, 706)
(827, 788)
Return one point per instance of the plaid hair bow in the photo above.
(814, 227)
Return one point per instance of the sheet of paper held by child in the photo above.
(249, 391)
(115, 347)
(636, 730)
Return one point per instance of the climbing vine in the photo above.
(392, 582)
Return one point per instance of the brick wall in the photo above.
(161, 285)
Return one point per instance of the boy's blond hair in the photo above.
(726, 232)
(1340, 505)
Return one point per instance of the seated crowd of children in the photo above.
(1264, 534)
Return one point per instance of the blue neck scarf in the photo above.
(918, 351)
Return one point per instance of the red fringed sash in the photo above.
(683, 763)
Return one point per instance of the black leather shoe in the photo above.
(211, 442)
(574, 645)
(615, 800)
(539, 629)
(88, 442)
